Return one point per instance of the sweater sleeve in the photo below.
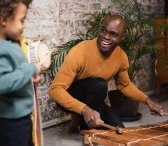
(64, 78)
(15, 71)
(14, 79)
(125, 85)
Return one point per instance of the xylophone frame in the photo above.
(147, 135)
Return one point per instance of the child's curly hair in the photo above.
(7, 7)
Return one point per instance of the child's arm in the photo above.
(13, 79)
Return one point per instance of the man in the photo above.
(81, 83)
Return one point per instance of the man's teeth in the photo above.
(105, 43)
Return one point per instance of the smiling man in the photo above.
(81, 83)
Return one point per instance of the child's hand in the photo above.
(37, 79)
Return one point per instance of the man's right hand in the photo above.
(91, 117)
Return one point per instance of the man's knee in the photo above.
(99, 84)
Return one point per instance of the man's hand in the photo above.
(91, 117)
(154, 107)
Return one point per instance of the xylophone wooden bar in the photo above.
(148, 135)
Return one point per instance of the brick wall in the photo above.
(155, 7)
(52, 20)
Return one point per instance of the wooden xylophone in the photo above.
(148, 135)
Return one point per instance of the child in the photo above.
(16, 89)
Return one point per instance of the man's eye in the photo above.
(113, 34)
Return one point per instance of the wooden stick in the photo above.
(165, 114)
(117, 129)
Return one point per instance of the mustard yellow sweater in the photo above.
(83, 61)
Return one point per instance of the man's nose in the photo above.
(107, 35)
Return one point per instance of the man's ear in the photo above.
(123, 37)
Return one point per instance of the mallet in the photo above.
(117, 129)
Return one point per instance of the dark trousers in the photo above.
(16, 132)
(93, 92)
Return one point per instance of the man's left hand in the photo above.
(154, 107)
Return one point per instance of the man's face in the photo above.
(111, 33)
